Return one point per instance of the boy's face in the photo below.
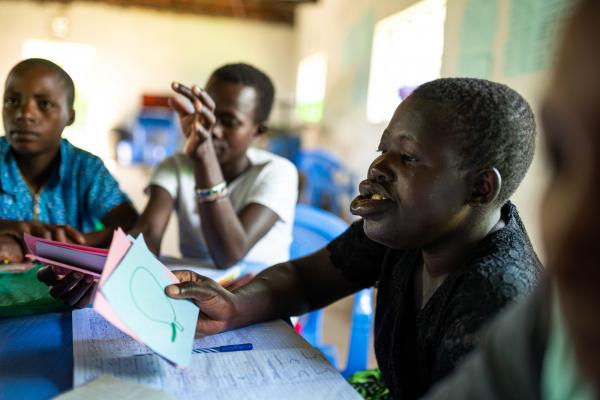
(235, 106)
(414, 194)
(35, 110)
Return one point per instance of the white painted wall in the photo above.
(141, 51)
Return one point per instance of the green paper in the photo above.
(22, 294)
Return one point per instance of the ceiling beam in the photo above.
(278, 11)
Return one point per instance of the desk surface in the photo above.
(36, 362)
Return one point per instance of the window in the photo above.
(407, 51)
(310, 88)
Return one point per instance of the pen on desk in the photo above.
(223, 349)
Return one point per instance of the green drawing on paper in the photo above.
(142, 278)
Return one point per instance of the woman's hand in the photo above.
(60, 233)
(72, 288)
(218, 308)
(197, 124)
(11, 249)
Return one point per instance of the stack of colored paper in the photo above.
(130, 291)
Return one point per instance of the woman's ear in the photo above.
(486, 186)
(71, 117)
(262, 128)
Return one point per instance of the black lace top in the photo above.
(415, 349)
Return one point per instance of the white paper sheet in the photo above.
(282, 364)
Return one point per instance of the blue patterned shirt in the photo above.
(79, 194)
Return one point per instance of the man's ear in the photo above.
(486, 186)
(71, 117)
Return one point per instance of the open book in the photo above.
(91, 260)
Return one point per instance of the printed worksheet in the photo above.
(281, 365)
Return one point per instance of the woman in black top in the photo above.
(437, 234)
(416, 346)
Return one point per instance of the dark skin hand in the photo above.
(11, 248)
(61, 233)
(291, 288)
(218, 152)
(217, 147)
(73, 288)
(414, 197)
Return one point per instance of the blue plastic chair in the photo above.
(328, 183)
(313, 229)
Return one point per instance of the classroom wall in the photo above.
(139, 50)
(344, 34)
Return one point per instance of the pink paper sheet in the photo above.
(118, 249)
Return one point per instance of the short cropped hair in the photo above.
(248, 75)
(62, 74)
(492, 125)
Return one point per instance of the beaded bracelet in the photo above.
(211, 194)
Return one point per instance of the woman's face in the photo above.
(414, 194)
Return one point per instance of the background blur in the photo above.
(340, 68)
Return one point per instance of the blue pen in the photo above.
(222, 349)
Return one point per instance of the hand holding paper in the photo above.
(130, 291)
(134, 294)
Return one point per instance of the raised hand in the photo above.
(196, 124)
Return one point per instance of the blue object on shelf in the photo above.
(313, 229)
(156, 136)
(327, 182)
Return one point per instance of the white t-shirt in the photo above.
(271, 181)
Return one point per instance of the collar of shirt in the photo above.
(10, 176)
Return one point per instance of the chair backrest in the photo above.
(327, 182)
(313, 229)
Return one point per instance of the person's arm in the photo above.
(155, 218)
(103, 201)
(291, 288)
(348, 263)
(124, 215)
(228, 236)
